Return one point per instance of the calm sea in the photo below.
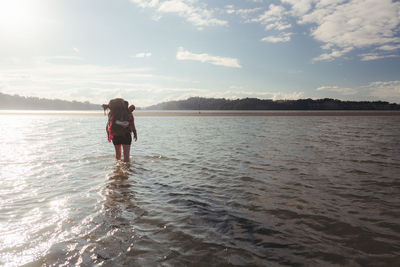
(201, 191)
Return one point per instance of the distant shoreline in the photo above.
(272, 113)
(206, 113)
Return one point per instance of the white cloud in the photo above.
(389, 47)
(143, 55)
(385, 91)
(332, 54)
(183, 54)
(146, 3)
(80, 81)
(197, 14)
(278, 25)
(231, 94)
(343, 26)
(85, 82)
(275, 18)
(389, 90)
(244, 13)
(274, 15)
(299, 7)
(337, 89)
(58, 59)
(375, 56)
(286, 96)
(285, 37)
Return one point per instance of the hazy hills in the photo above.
(21, 102)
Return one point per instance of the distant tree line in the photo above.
(200, 103)
(21, 102)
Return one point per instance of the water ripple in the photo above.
(237, 191)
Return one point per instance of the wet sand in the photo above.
(274, 113)
(210, 113)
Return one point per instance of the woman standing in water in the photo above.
(120, 125)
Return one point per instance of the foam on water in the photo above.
(256, 191)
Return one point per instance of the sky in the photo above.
(150, 51)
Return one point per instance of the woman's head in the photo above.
(105, 107)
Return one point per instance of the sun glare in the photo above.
(17, 16)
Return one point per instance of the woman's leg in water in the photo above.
(118, 152)
(127, 150)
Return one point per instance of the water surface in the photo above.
(240, 191)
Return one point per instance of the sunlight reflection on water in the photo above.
(216, 190)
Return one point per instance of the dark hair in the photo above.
(105, 107)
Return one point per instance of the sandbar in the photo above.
(210, 113)
(272, 113)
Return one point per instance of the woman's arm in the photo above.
(132, 127)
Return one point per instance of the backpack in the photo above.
(118, 111)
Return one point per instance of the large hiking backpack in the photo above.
(118, 111)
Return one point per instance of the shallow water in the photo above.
(244, 191)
